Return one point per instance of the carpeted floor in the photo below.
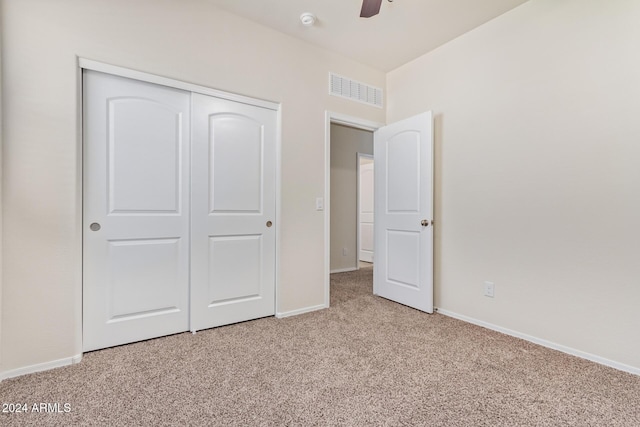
(364, 362)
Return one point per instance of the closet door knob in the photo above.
(269, 223)
(424, 223)
(94, 226)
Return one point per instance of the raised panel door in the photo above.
(136, 204)
(403, 271)
(233, 212)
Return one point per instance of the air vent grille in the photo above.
(354, 90)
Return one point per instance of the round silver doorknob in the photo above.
(424, 223)
(269, 223)
(94, 226)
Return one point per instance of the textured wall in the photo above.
(189, 40)
(537, 177)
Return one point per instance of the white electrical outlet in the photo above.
(489, 289)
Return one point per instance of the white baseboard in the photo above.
(343, 270)
(281, 315)
(568, 350)
(41, 367)
(564, 349)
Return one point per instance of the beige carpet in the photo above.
(363, 362)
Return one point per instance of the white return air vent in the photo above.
(357, 91)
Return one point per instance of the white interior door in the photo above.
(403, 153)
(136, 207)
(233, 212)
(365, 206)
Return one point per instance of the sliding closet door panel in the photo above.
(136, 210)
(233, 212)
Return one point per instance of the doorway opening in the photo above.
(351, 204)
(348, 232)
(403, 223)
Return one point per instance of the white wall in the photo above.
(189, 40)
(346, 143)
(538, 171)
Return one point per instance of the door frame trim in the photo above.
(354, 122)
(115, 70)
(89, 64)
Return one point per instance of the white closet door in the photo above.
(233, 212)
(136, 207)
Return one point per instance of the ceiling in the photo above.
(404, 29)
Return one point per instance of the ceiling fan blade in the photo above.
(370, 8)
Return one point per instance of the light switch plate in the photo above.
(319, 203)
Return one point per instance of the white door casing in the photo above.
(403, 155)
(365, 207)
(136, 191)
(233, 212)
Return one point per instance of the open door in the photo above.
(365, 207)
(403, 155)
